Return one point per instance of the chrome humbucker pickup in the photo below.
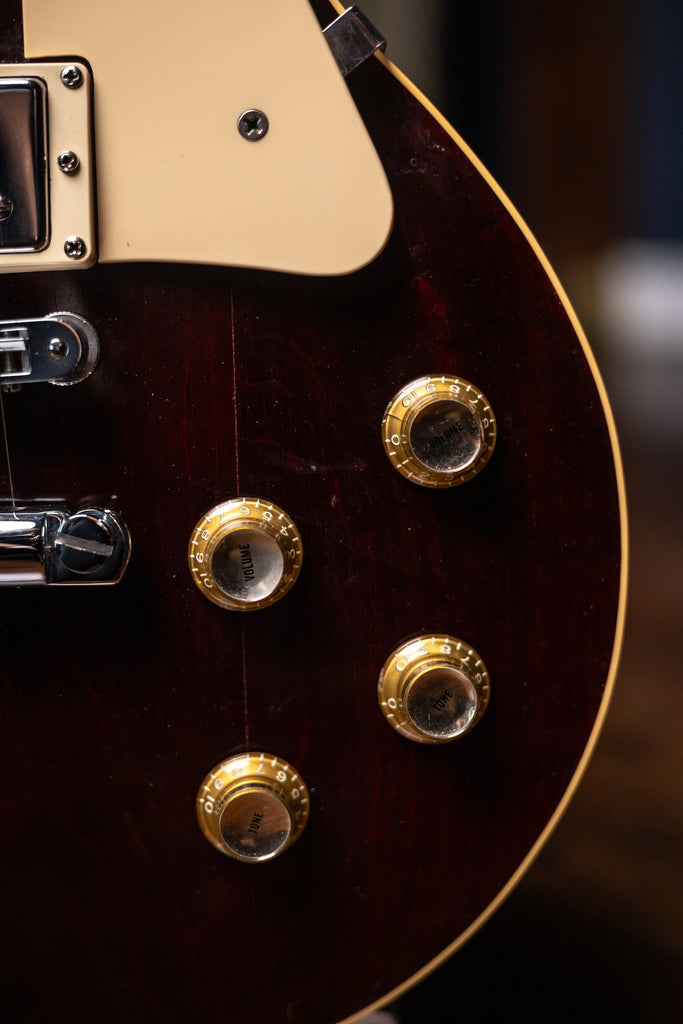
(47, 212)
(23, 165)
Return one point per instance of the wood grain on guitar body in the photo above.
(399, 487)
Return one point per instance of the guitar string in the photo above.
(237, 484)
(6, 445)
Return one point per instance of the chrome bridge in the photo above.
(50, 546)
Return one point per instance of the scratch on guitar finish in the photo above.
(233, 342)
(7, 458)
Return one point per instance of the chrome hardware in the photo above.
(352, 39)
(253, 125)
(75, 247)
(62, 348)
(58, 348)
(39, 545)
(71, 76)
(23, 170)
(68, 161)
(47, 220)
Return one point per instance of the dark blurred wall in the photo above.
(653, 164)
(575, 108)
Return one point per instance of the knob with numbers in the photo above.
(252, 806)
(439, 431)
(433, 689)
(245, 554)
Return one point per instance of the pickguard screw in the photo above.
(68, 161)
(75, 248)
(71, 76)
(6, 207)
(253, 125)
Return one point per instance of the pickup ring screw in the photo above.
(75, 247)
(253, 125)
(68, 161)
(71, 76)
(6, 207)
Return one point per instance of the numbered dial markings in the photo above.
(252, 807)
(433, 689)
(245, 554)
(439, 431)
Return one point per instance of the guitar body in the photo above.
(217, 383)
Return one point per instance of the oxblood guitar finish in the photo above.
(117, 701)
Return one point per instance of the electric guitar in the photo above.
(338, 447)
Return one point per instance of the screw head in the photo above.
(85, 542)
(75, 247)
(71, 76)
(57, 348)
(6, 207)
(68, 161)
(253, 125)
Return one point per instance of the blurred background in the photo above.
(576, 110)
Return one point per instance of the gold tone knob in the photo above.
(433, 689)
(252, 806)
(439, 431)
(245, 554)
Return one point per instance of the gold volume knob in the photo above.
(433, 689)
(439, 431)
(252, 806)
(245, 554)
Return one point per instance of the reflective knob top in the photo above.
(439, 431)
(433, 689)
(245, 554)
(252, 806)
